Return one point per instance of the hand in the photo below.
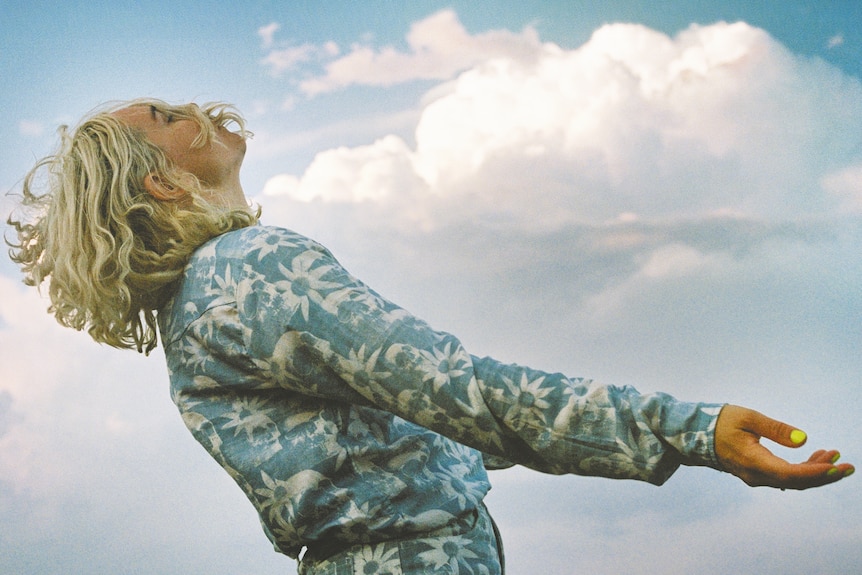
(737, 445)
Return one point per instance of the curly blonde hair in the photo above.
(111, 253)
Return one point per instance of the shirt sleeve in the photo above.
(315, 329)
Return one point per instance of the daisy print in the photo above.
(526, 399)
(306, 282)
(381, 559)
(439, 366)
(452, 552)
(270, 244)
(249, 414)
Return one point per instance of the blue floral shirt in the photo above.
(346, 419)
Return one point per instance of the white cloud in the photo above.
(371, 172)
(718, 120)
(644, 185)
(27, 379)
(116, 424)
(60, 391)
(284, 59)
(672, 260)
(267, 33)
(846, 186)
(438, 47)
(23, 316)
(676, 213)
(31, 128)
(729, 538)
(663, 268)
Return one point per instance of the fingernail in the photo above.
(832, 471)
(836, 457)
(849, 472)
(797, 436)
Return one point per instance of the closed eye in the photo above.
(169, 117)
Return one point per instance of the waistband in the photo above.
(471, 542)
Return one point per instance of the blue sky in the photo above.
(663, 194)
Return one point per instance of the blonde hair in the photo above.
(111, 253)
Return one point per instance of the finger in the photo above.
(818, 478)
(794, 476)
(819, 470)
(824, 456)
(739, 450)
(760, 466)
(777, 431)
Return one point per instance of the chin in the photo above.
(237, 143)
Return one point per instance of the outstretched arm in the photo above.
(738, 448)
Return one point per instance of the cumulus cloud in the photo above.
(720, 119)
(635, 182)
(437, 48)
(680, 213)
(352, 174)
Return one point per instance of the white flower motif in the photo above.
(448, 551)
(248, 415)
(269, 244)
(359, 368)
(287, 532)
(439, 366)
(280, 496)
(632, 459)
(306, 283)
(526, 399)
(194, 356)
(223, 291)
(380, 559)
(453, 486)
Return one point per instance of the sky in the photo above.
(666, 195)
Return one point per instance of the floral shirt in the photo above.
(347, 420)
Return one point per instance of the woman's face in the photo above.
(216, 164)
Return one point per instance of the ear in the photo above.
(161, 190)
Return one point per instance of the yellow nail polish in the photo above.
(836, 457)
(832, 471)
(797, 436)
(849, 472)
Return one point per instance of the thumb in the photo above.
(775, 430)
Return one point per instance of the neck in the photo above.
(230, 195)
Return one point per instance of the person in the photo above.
(360, 434)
